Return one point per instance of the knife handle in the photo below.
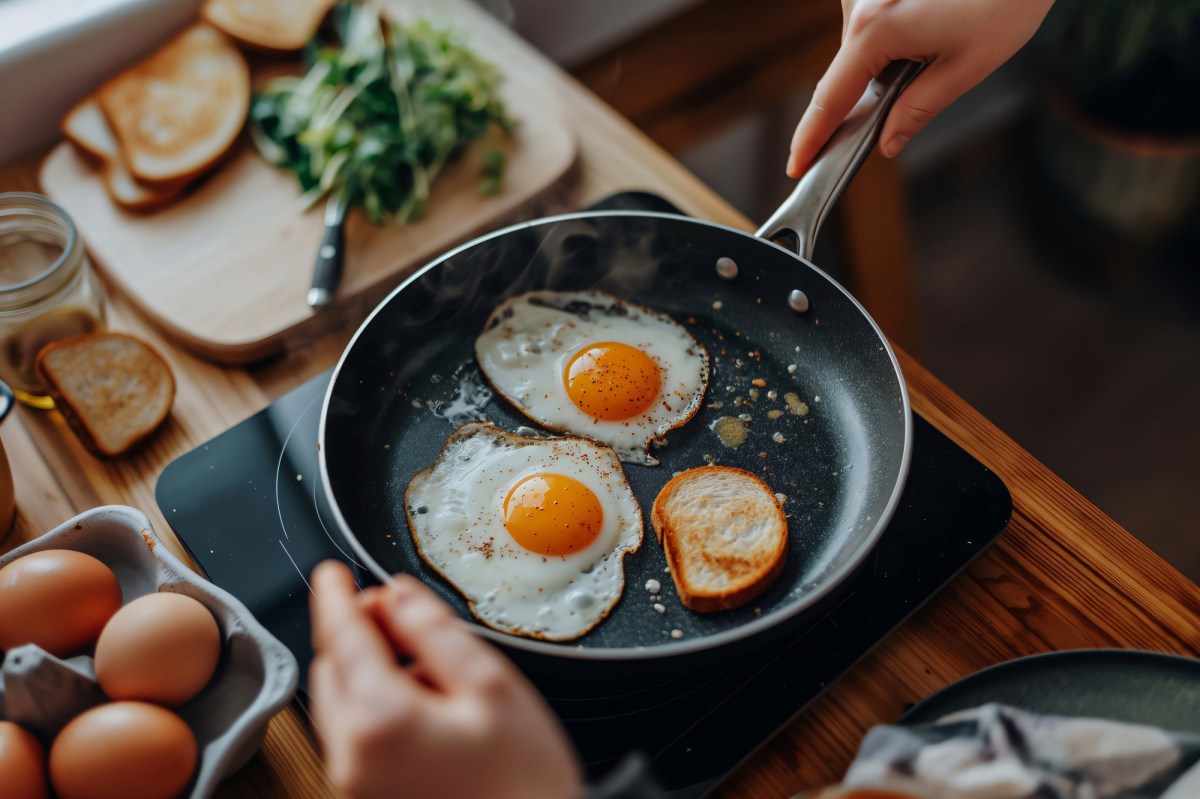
(327, 272)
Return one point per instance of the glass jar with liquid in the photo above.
(47, 289)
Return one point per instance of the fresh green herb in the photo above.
(491, 167)
(378, 117)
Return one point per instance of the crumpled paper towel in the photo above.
(1000, 752)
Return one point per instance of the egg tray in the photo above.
(256, 677)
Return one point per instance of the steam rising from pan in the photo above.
(615, 253)
(842, 464)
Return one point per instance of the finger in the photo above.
(843, 84)
(325, 691)
(368, 596)
(343, 629)
(938, 85)
(446, 654)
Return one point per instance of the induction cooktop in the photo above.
(249, 508)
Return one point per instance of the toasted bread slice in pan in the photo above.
(178, 112)
(724, 534)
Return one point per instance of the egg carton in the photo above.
(255, 679)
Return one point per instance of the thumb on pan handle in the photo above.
(805, 210)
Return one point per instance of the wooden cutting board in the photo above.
(225, 269)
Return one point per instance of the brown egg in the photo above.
(58, 599)
(132, 750)
(22, 763)
(160, 647)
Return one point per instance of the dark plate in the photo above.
(1119, 684)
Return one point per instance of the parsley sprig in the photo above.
(379, 115)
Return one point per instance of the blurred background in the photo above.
(1038, 246)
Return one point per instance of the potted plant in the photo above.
(1121, 136)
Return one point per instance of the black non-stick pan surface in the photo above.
(841, 465)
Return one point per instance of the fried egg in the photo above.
(588, 363)
(533, 532)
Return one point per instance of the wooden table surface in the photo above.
(1061, 576)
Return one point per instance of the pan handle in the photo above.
(805, 210)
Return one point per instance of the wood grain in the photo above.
(225, 269)
(1061, 576)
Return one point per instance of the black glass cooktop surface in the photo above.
(249, 508)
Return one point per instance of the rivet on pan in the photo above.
(727, 268)
(798, 301)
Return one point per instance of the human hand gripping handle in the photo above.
(457, 720)
(819, 188)
(960, 41)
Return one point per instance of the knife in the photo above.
(327, 272)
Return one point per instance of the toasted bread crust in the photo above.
(86, 127)
(83, 419)
(127, 192)
(690, 541)
(177, 113)
(273, 25)
(75, 127)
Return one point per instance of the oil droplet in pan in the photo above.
(731, 431)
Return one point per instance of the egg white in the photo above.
(455, 514)
(529, 340)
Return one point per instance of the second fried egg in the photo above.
(533, 532)
(588, 363)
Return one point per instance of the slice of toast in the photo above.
(267, 24)
(724, 535)
(86, 128)
(178, 112)
(113, 389)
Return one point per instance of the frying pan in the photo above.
(764, 313)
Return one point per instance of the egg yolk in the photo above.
(612, 381)
(552, 514)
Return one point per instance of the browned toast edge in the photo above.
(79, 424)
(182, 178)
(709, 602)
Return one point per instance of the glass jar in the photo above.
(47, 289)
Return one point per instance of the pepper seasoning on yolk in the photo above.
(593, 365)
(612, 381)
(552, 514)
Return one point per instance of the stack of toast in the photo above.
(165, 122)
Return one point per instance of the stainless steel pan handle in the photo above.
(805, 210)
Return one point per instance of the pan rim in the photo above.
(674, 648)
